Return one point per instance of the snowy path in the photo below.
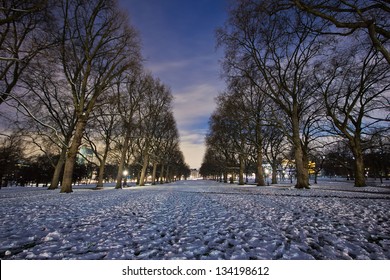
(195, 220)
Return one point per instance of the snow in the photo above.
(196, 220)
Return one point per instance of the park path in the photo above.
(194, 220)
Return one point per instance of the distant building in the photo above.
(194, 174)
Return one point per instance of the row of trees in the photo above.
(334, 159)
(301, 75)
(19, 169)
(82, 83)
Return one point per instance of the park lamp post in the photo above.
(266, 171)
(125, 173)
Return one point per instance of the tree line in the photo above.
(72, 76)
(303, 77)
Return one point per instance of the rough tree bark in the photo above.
(143, 170)
(260, 171)
(71, 156)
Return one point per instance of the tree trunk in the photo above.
(71, 157)
(99, 184)
(355, 146)
(260, 171)
(301, 168)
(167, 178)
(122, 161)
(360, 180)
(162, 174)
(274, 174)
(55, 180)
(154, 173)
(143, 171)
(102, 167)
(241, 173)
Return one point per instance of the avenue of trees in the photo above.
(71, 78)
(308, 82)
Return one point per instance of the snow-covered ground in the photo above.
(196, 220)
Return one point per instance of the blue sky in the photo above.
(178, 43)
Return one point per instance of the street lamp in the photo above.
(267, 175)
(125, 173)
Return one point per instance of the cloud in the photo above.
(185, 70)
(168, 66)
(193, 136)
(193, 106)
(192, 109)
(194, 83)
(178, 42)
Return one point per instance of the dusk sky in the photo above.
(178, 43)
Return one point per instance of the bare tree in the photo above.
(275, 145)
(176, 165)
(11, 152)
(276, 50)
(350, 16)
(219, 158)
(230, 130)
(256, 111)
(355, 87)
(377, 158)
(24, 33)
(210, 166)
(165, 141)
(47, 107)
(100, 132)
(130, 96)
(158, 101)
(97, 45)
